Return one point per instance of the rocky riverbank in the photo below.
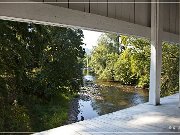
(86, 93)
(73, 111)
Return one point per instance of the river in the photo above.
(98, 98)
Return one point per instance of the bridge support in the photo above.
(156, 52)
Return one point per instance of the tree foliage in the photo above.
(104, 56)
(37, 62)
(130, 64)
(170, 69)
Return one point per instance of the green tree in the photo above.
(104, 56)
(123, 72)
(170, 69)
(140, 60)
(132, 65)
(38, 64)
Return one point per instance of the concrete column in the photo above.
(156, 52)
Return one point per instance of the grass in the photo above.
(32, 114)
(49, 115)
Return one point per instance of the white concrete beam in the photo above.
(50, 14)
(59, 16)
(156, 52)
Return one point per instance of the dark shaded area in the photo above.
(40, 72)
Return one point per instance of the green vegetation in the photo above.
(130, 65)
(170, 69)
(40, 71)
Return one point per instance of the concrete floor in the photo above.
(141, 119)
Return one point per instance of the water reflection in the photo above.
(98, 98)
(86, 110)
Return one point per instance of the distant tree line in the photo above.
(126, 59)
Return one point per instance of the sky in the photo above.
(90, 38)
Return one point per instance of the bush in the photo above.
(16, 119)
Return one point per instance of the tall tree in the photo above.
(37, 62)
(105, 55)
(132, 65)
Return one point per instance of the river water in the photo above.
(98, 98)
